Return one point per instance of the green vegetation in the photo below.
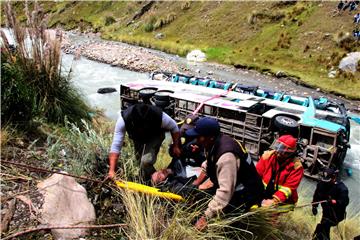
(32, 85)
(298, 38)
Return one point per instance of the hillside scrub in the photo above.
(32, 84)
(147, 217)
(288, 37)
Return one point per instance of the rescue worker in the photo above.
(233, 174)
(281, 172)
(337, 196)
(146, 126)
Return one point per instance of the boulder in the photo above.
(196, 56)
(280, 74)
(159, 36)
(350, 62)
(65, 204)
(332, 74)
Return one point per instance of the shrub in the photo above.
(159, 23)
(149, 27)
(109, 20)
(170, 17)
(32, 74)
(284, 41)
(75, 148)
(185, 5)
(17, 97)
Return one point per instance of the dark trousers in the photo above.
(322, 231)
(147, 154)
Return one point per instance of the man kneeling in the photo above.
(236, 182)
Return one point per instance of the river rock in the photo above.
(106, 90)
(280, 74)
(350, 62)
(196, 56)
(332, 74)
(159, 36)
(65, 204)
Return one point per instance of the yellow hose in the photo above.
(148, 190)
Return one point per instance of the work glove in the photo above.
(314, 210)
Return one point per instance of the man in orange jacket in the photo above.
(281, 172)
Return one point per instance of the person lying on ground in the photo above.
(236, 183)
(181, 171)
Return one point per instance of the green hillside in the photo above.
(303, 39)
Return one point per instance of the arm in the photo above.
(343, 198)
(119, 134)
(227, 168)
(169, 124)
(316, 196)
(261, 165)
(201, 178)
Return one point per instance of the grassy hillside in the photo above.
(302, 39)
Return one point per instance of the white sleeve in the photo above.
(119, 135)
(168, 123)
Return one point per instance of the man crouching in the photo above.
(236, 182)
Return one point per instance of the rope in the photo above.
(37, 169)
(211, 98)
(310, 204)
(64, 227)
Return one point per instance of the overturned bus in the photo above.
(251, 115)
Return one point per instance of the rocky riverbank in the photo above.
(141, 59)
(119, 55)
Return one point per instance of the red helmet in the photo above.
(284, 144)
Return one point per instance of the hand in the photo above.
(201, 224)
(111, 174)
(267, 203)
(332, 201)
(194, 148)
(206, 185)
(314, 210)
(176, 151)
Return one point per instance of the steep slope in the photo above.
(303, 39)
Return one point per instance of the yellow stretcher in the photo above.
(148, 190)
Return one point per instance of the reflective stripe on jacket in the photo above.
(288, 180)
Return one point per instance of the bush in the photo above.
(75, 148)
(149, 27)
(32, 83)
(284, 41)
(17, 98)
(109, 20)
(185, 5)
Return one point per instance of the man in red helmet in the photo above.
(281, 172)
